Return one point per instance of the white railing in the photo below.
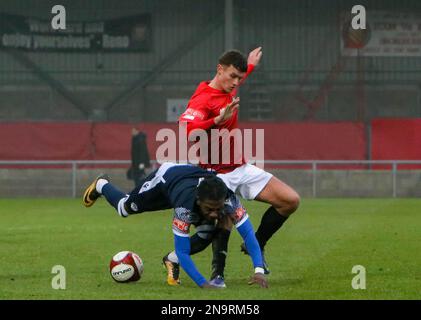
(314, 164)
(73, 163)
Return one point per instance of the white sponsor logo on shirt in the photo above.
(189, 117)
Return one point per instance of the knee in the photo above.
(289, 204)
(294, 202)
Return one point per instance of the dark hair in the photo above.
(235, 58)
(212, 188)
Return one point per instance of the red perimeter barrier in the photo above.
(44, 141)
(312, 140)
(111, 141)
(397, 139)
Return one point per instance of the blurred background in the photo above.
(341, 108)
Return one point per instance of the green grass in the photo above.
(310, 258)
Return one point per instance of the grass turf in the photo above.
(310, 258)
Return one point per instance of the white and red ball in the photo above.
(126, 266)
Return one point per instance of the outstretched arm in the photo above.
(242, 222)
(255, 56)
(182, 249)
(245, 228)
(247, 233)
(253, 61)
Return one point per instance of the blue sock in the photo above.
(112, 194)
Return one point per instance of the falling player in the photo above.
(198, 197)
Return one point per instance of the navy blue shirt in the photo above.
(180, 184)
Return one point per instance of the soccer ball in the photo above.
(126, 266)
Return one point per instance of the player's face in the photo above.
(211, 209)
(229, 77)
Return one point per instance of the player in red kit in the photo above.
(214, 105)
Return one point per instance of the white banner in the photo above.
(387, 34)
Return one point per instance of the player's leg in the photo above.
(113, 195)
(147, 196)
(284, 201)
(220, 251)
(172, 265)
(253, 183)
(101, 186)
(92, 193)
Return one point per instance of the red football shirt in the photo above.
(203, 107)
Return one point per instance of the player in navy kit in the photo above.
(198, 197)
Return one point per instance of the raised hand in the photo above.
(260, 279)
(255, 56)
(227, 112)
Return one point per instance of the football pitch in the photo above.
(311, 257)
